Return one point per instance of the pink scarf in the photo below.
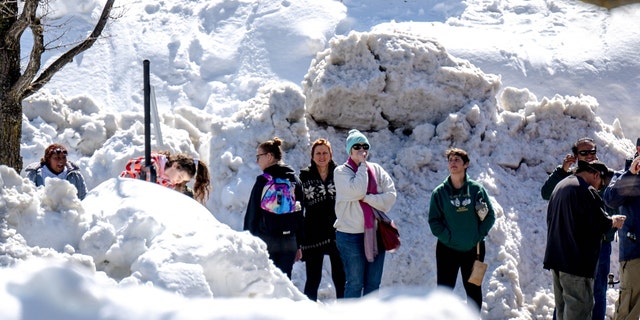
(370, 239)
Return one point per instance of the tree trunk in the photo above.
(10, 104)
(16, 86)
(11, 133)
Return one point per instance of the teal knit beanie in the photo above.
(355, 137)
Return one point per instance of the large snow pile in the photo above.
(372, 81)
(220, 76)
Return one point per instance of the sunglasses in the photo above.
(586, 152)
(360, 146)
(59, 151)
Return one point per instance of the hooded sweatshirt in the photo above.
(452, 214)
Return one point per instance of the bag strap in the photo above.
(478, 251)
(264, 188)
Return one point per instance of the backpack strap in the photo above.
(264, 188)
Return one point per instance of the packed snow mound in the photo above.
(129, 230)
(377, 80)
(139, 239)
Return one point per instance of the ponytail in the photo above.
(202, 185)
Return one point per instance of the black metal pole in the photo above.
(147, 124)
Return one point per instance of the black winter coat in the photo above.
(254, 219)
(319, 207)
(576, 224)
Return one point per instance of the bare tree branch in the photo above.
(6, 8)
(68, 56)
(12, 39)
(35, 58)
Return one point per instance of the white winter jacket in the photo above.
(351, 187)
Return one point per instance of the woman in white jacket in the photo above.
(361, 187)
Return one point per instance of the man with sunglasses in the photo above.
(585, 149)
(576, 221)
(54, 164)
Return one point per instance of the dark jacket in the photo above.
(452, 217)
(576, 220)
(624, 193)
(558, 175)
(34, 173)
(254, 219)
(319, 207)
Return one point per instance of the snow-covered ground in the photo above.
(417, 76)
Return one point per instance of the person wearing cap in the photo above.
(54, 164)
(460, 216)
(624, 193)
(361, 187)
(576, 221)
(585, 149)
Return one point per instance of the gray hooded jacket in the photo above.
(34, 173)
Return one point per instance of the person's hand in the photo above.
(635, 166)
(569, 159)
(298, 255)
(618, 220)
(361, 157)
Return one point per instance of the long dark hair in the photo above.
(197, 169)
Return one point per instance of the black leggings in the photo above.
(314, 260)
(449, 261)
(282, 250)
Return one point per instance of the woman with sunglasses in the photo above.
(361, 187)
(54, 164)
(174, 171)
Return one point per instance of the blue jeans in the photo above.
(601, 281)
(362, 277)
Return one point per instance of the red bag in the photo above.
(389, 233)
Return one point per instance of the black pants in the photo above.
(282, 250)
(314, 259)
(449, 261)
